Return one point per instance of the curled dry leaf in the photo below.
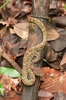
(22, 30)
(52, 34)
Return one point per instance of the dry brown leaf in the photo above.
(12, 31)
(43, 93)
(63, 85)
(59, 96)
(22, 30)
(52, 81)
(51, 85)
(52, 34)
(3, 31)
(38, 72)
(9, 83)
(4, 23)
(44, 98)
(63, 61)
(46, 70)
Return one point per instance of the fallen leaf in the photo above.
(3, 31)
(38, 72)
(63, 85)
(52, 34)
(9, 83)
(4, 23)
(60, 21)
(52, 81)
(60, 43)
(1, 90)
(11, 72)
(46, 70)
(22, 30)
(43, 93)
(63, 61)
(44, 98)
(59, 96)
(12, 31)
(50, 55)
(16, 49)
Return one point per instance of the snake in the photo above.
(32, 55)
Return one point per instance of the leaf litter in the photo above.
(14, 34)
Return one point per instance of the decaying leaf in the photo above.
(52, 81)
(63, 61)
(43, 93)
(52, 34)
(3, 31)
(46, 70)
(16, 49)
(10, 83)
(60, 21)
(22, 30)
(38, 72)
(63, 85)
(4, 23)
(12, 31)
(50, 55)
(59, 96)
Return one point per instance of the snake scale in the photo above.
(32, 52)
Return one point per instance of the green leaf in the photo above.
(11, 72)
(65, 6)
(1, 90)
(7, 1)
(44, 60)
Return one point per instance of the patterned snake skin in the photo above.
(32, 52)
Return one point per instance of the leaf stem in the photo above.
(7, 1)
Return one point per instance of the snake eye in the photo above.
(33, 58)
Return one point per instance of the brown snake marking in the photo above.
(28, 60)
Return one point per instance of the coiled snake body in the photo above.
(32, 52)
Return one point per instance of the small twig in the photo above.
(11, 61)
(7, 1)
(0, 55)
(2, 13)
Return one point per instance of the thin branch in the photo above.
(11, 61)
